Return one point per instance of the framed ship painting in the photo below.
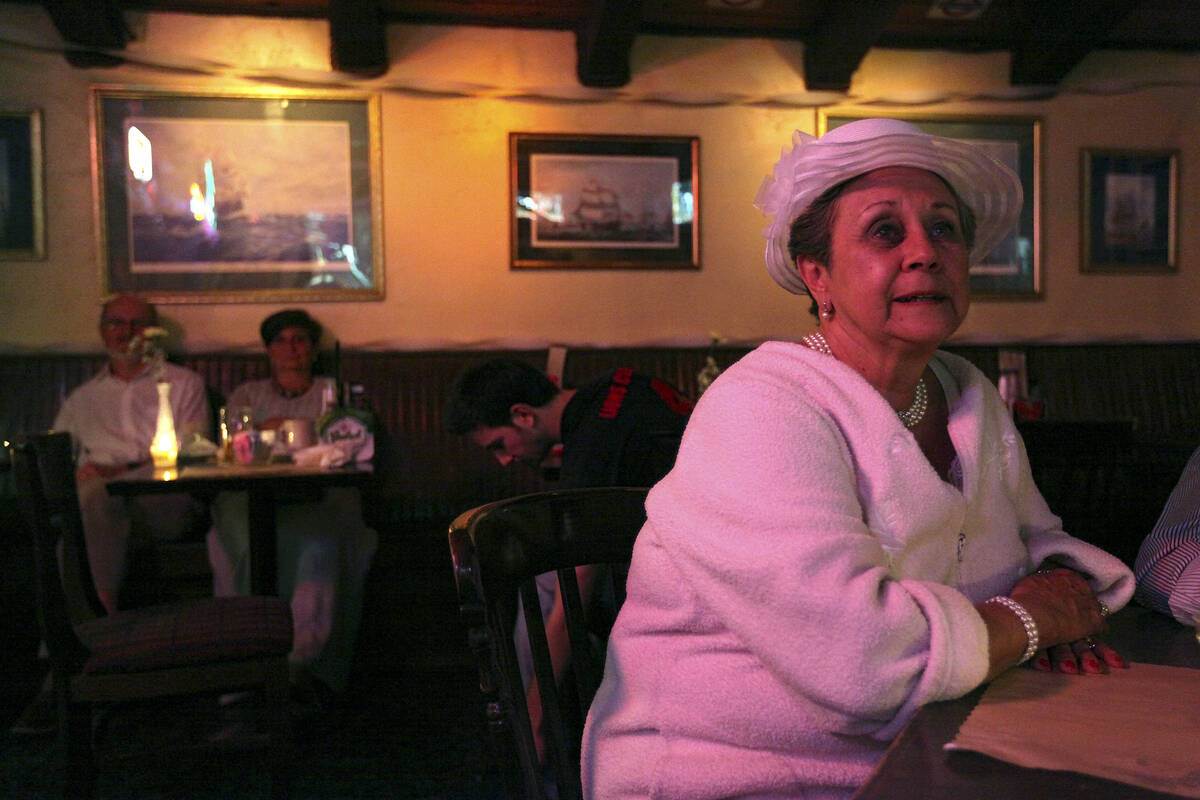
(604, 202)
(214, 197)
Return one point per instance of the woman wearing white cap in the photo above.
(851, 529)
(325, 548)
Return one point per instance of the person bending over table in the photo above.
(1168, 562)
(324, 547)
(851, 529)
(620, 429)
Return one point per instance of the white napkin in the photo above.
(196, 446)
(320, 455)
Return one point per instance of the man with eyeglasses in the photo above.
(112, 419)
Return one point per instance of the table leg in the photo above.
(263, 560)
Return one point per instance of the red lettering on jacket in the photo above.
(612, 402)
(674, 400)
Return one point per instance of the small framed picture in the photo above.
(604, 202)
(1129, 207)
(22, 221)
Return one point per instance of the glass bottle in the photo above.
(225, 435)
(350, 426)
(328, 399)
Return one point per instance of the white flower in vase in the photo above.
(151, 343)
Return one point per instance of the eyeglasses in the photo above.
(137, 324)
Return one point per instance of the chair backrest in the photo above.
(44, 469)
(498, 549)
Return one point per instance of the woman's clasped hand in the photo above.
(1073, 618)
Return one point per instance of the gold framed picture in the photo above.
(236, 197)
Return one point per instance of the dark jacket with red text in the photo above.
(621, 430)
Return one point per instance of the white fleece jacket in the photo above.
(805, 581)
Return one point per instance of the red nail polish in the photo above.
(1042, 663)
(1069, 667)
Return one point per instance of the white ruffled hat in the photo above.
(991, 189)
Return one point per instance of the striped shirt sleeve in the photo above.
(1168, 563)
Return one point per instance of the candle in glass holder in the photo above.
(164, 447)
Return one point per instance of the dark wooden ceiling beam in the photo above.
(840, 39)
(604, 40)
(357, 37)
(1059, 35)
(89, 27)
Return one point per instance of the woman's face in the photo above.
(897, 276)
(291, 351)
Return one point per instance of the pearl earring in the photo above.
(826, 310)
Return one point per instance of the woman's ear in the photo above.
(813, 273)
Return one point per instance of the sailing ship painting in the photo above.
(603, 201)
(598, 210)
(240, 196)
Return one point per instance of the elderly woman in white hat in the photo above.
(851, 529)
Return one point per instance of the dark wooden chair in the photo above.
(212, 645)
(498, 549)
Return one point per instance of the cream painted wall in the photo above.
(451, 98)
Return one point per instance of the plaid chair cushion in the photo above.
(189, 633)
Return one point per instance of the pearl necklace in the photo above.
(911, 416)
(816, 341)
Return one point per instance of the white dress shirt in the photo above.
(112, 420)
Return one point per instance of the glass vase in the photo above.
(164, 448)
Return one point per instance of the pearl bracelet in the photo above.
(1031, 631)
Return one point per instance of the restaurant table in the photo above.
(915, 765)
(265, 484)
